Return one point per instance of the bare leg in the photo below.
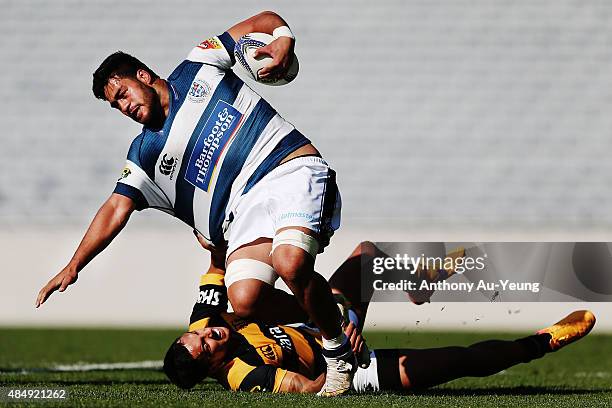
(296, 267)
(252, 298)
(255, 299)
(346, 280)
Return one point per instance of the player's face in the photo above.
(209, 344)
(136, 98)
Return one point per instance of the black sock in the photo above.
(536, 345)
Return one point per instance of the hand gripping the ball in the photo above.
(281, 52)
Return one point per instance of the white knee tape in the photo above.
(296, 238)
(241, 269)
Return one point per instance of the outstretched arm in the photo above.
(281, 49)
(108, 222)
(294, 382)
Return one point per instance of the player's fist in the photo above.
(281, 52)
(61, 281)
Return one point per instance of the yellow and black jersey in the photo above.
(262, 354)
(211, 302)
(271, 352)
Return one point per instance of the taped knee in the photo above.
(241, 269)
(298, 239)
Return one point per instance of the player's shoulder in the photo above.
(222, 43)
(145, 149)
(185, 68)
(234, 371)
(135, 147)
(239, 375)
(217, 51)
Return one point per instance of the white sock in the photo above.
(336, 342)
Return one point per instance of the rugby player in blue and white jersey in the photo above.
(216, 155)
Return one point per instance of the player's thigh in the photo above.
(259, 250)
(249, 274)
(305, 216)
(294, 249)
(308, 200)
(300, 194)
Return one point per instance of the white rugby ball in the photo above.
(244, 51)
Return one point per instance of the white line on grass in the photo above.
(82, 367)
(598, 374)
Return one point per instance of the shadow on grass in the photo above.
(471, 392)
(524, 390)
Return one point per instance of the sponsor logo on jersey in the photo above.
(218, 131)
(268, 352)
(209, 297)
(126, 172)
(168, 166)
(198, 91)
(281, 338)
(210, 44)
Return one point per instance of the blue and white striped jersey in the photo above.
(219, 139)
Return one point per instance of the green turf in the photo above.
(579, 375)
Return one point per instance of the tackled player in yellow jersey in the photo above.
(244, 355)
(251, 348)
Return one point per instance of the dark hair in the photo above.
(117, 64)
(181, 368)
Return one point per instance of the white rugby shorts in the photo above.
(301, 192)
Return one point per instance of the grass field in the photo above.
(578, 376)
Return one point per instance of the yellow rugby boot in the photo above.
(573, 327)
